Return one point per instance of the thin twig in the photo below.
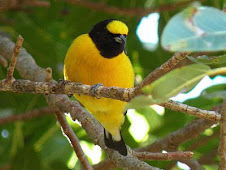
(163, 69)
(138, 12)
(48, 74)
(205, 114)
(74, 141)
(176, 138)
(3, 61)
(222, 145)
(26, 116)
(169, 156)
(67, 130)
(12, 65)
(203, 141)
(36, 3)
(20, 5)
(208, 158)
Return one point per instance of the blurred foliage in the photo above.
(198, 28)
(48, 32)
(209, 60)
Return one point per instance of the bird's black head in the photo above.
(109, 36)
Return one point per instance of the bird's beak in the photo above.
(121, 39)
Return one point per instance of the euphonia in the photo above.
(100, 57)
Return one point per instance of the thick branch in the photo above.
(123, 94)
(66, 87)
(106, 164)
(28, 69)
(95, 131)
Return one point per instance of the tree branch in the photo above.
(123, 94)
(26, 116)
(74, 141)
(106, 164)
(67, 87)
(222, 145)
(208, 158)
(203, 141)
(174, 139)
(35, 73)
(16, 51)
(28, 69)
(139, 12)
(171, 142)
(163, 69)
(204, 114)
(3, 61)
(95, 132)
(169, 156)
(67, 130)
(19, 5)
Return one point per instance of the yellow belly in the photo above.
(84, 64)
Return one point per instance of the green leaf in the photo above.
(139, 102)
(181, 79)
(196, 29)
(215, 92)
(209, 60)
(218, 94)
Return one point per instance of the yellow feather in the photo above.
(84, 64)
(117, 27)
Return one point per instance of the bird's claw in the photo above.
(94, 89)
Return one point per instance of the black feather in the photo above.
(116, 145)
(104, 40)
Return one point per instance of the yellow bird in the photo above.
(100, 57)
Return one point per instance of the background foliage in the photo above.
(48, 32)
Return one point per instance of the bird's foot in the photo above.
(63, 82)
(94, 89)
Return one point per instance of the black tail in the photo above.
(116, 145)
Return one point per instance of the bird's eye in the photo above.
(120, 39)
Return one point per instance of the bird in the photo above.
(100, 57)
